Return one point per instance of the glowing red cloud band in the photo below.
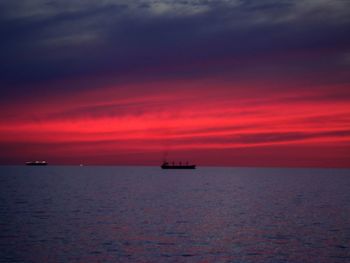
(182, 118)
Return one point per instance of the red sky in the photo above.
(243, 83)
(207, 121)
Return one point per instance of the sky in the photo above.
(222, 83)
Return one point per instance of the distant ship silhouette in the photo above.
(36, 163)
(166, 165)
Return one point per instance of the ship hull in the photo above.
(178, 167)
(36, 163)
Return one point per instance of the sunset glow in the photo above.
(228, 97)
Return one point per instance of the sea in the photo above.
(146, 214)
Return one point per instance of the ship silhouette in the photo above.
(167, 165)
(36, 163)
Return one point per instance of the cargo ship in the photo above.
(166, 165)
(36, 163)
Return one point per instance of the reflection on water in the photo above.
(129, 214)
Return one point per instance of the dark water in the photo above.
(137, 214)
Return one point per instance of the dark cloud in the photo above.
(48, 41)
(262, 138)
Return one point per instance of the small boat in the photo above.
(36, 163)
(166, 165)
